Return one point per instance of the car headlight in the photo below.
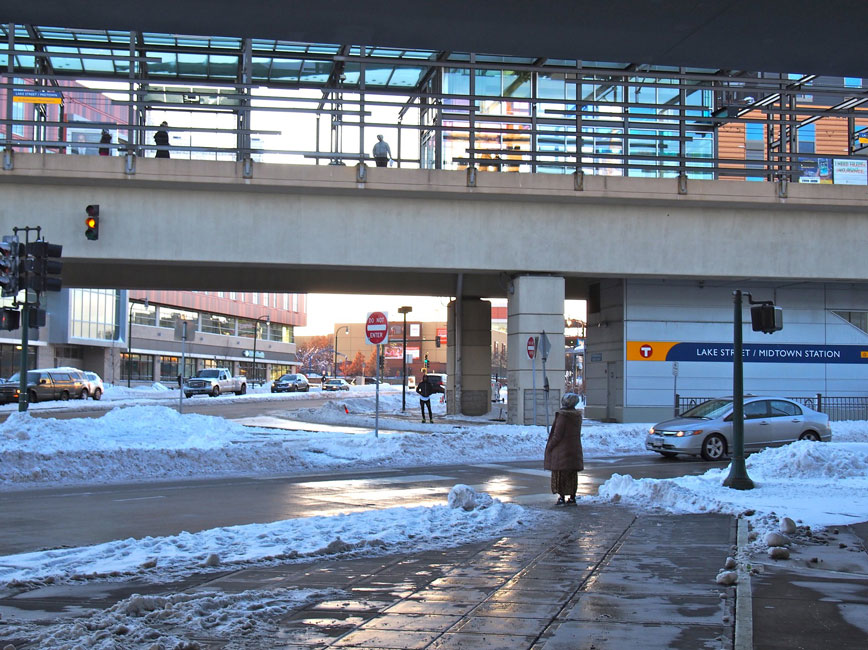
(682, 434)
(651, 431)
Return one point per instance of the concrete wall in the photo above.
(201, 225)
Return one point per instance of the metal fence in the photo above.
(837, 407)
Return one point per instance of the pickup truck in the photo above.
(213, 381)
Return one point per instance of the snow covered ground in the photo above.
(817, 484)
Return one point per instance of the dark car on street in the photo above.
(335, 384)
(45, 385)
(290, 383)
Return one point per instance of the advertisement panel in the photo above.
(441, 332)
(393, 351)
(851, 172)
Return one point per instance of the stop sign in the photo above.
(531, 347)
(377, 328)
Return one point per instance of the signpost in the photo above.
(377, 333)
(545, 347)
(531, 347)
(531, 352)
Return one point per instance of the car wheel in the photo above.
(188, 395)
(64, 396)
(215, 391)
(32, 397)
(97, 394)
(813, 436)
(243, 390)
(714, 447)
(668, 454)
(84, 394)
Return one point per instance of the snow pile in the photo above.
(465, 497)
(389, 530)
(175, 621)
(818, 484)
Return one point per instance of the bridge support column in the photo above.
(468, 357)
(536, 304)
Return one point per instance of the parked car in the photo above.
(335, 384)
(94, 385)
(290, 383)
(706, 429)
(438, 378)
(46, 384)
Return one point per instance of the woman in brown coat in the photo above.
(564, 450)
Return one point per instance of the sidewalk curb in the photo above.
(743, 600)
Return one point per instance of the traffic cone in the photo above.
(346, 410)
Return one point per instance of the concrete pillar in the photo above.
(536, 304)
(474, 339)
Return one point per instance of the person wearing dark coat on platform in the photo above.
(105, 138)
(563, 455)
(161, 139)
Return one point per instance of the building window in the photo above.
(286, 302)
(254, 298)
(169, 315)
(144, 315)
(807, 137)
(265, 300)
(94, 314)
(856, 318)
(852, 82)
(137, 367)
(10, 359)
(231, 295)
(295, 302)
(754, 147)
(169, 368)
(216, 324)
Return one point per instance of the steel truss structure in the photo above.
(449, 110)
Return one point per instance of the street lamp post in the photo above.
(405, 311)
(255, 336)
(346, 330)
(130, 342)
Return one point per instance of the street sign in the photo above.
(377, 328)
(531, 347)
(544, 346)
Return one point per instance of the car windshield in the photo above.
(32, 378)
(286, 378)
(209, 373)
(711, 409)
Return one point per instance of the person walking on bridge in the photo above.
(563, 455)
(382, 152)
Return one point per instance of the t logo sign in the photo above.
(646, 351)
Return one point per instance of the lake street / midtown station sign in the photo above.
(752, 352)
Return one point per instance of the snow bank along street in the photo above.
(815, 484)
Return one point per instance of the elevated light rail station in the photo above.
(581, 156)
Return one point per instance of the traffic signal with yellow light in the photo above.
(91, 222)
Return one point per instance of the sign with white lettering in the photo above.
(751, 352)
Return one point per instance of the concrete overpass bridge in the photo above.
(535, 239)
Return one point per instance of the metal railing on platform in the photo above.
(837, 407)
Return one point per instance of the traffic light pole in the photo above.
(738, 478)
(22, 373)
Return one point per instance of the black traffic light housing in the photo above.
(10, 319)
(766, 317)
(91, 222)
(10, 254)
(42, 267)
(436, 341)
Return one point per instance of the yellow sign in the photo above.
(648, 350)
(864, 354)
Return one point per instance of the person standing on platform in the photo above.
(106, 138)
(161, 139)
(382, 152)
(426, 389)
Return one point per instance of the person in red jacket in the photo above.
(426, 389)
(563, 455)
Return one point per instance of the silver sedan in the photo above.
(706, 429)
